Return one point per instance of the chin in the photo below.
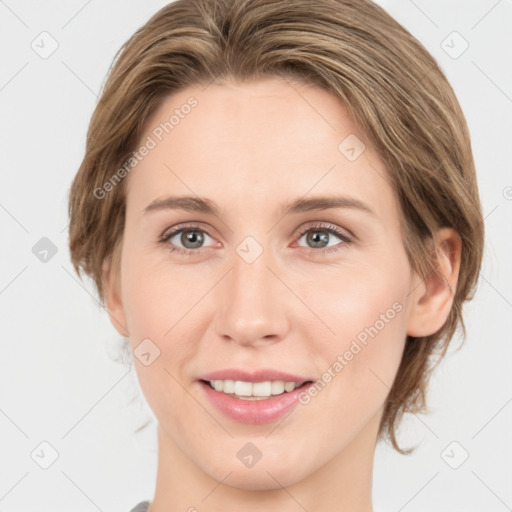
(259, 480)
(272, 471)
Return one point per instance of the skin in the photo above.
(251, 148)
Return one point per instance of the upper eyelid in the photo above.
(177, 229)
(328, 226)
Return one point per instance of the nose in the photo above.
(252, 303)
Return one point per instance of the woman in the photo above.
(279, 208)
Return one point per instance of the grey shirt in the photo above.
(141, 507)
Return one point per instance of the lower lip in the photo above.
(254, 411)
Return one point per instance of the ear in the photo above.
(112, 293)
(432, 298)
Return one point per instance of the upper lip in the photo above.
(262, 375)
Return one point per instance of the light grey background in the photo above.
(58, 382)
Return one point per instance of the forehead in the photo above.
(250, 143)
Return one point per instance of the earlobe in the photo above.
(112, 295)
(433, 296)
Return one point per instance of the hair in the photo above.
(392, 87)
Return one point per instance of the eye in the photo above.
(192, 237)
(318, 235)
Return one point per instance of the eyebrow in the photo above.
(203, 205)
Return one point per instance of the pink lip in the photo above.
(262, 375)
(253, 411)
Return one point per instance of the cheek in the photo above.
(366, 310)
(360, 361)
(151, 296)
(159, 305)
(155, 310)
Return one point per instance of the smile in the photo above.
(253, 390)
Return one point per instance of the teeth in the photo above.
(289, 386)
(253, 390)
(277, 387)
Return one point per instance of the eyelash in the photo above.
(329, 228)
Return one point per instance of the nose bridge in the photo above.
(252, 308)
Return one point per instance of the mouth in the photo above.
(243, 390)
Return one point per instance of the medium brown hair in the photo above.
(387, 80)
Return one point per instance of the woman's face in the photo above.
(260, 287)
